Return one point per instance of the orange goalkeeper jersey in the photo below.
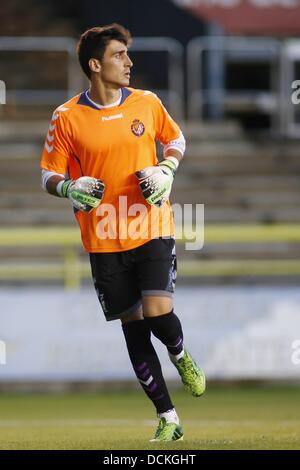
(111, 144)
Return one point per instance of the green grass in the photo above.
(254, 418)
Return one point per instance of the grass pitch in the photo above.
(253, 418)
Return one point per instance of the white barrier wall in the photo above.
(233, 332)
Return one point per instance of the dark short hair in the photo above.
(93, 42)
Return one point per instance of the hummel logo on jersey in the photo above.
(48, 147)
(50, 137)
(146, 382)
(113, 116)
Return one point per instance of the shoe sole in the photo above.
(193, 394)
(172, 440)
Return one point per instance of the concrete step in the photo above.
(35, 129)
(238, 215)
(230, 166)
(257, 250)
(199, 130)
(187, 179)
(241, 149)
(243, 198)
(25, 131)
(36, 216)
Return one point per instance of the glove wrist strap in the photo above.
(62, 188)
(171, 163)
(173, 160)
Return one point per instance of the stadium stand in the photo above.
(240, 182)
(241, 178)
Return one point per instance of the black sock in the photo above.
(146, 363)
(167, 328)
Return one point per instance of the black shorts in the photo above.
(121, 279)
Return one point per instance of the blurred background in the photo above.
(225, 71)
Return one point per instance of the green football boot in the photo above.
(167, 432)
(192, 376)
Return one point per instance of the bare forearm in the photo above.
(52, 184)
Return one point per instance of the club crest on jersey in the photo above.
(137, 127)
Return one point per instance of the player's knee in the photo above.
(154, 306)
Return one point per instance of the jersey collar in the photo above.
(125, 92)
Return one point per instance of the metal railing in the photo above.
(227, 49)
(281, 56)
(175, 91)
(289, 111)
(76, 80)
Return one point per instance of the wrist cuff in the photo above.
(173, 160)
(59, 188)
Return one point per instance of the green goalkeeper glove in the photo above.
(156, 181)
(85, 193)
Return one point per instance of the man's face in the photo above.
(115, 65)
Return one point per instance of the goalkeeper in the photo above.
(100, 147)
